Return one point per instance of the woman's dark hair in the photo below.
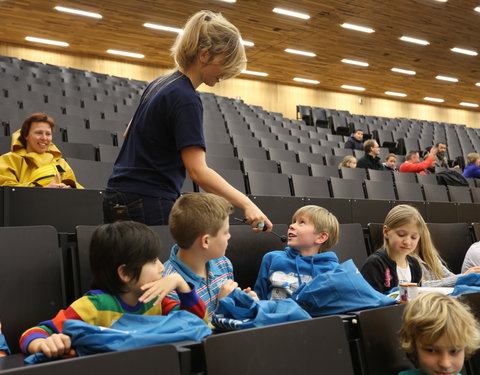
(123, 242)
(27, 124)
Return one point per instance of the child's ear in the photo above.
(385, 231)
(322, 237)
(204, 241)
(122, 274)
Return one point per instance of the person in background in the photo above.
(438, 333)
(413, 164)
(348, 161)
(472, 169)
(355, 141)
(390, 163)
(34, 160)
(370, 160)
(165, 139)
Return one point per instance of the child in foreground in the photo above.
(438, 332)
(313, 232)
(124, 263)
(395, 263)
(199, 224)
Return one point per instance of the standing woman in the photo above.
(165, 137)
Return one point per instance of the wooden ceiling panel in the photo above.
(444, 25)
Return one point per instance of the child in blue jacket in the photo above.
(314, 230)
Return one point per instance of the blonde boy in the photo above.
(199, 224)
(314, 230)
(437, 333)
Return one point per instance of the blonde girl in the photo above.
(164, 139)
(438, 332)
(435, 272)
(395, 263)
(348, 161)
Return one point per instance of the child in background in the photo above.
(437, 333)
(390, 163)
(394, 263)
(199, 224)
(124, 263)
(348, 161)
(313, 231)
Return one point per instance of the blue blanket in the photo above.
(240, 311)
(340, 290)
(130, 332)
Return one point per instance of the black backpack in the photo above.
(452, 178)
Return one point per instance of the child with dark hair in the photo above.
(438, 332)
(125, 266)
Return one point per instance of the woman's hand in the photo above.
(57, 183)
(257, 219)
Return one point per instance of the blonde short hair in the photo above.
(429, 316)
(472, 157)
(323, 221)
(210, 31)
(196, 214)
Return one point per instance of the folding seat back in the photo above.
(268, 184)
(350, 189)
(460, 194)
(288, 168)
(376, 175)
(379, 349)
(409, 191)
(380, 190)
(353, 173)
(351, 244)
(91, 174)
(83, 151)
(30, 265)
(282, 155)
(452, 241)
(259, 165)
(435, 193)
(308, 350)
(309, 186)
(324, 170)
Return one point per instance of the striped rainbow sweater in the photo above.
(102, 309)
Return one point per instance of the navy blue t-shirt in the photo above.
(168, 119)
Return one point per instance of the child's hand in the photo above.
(162, 287)
(251, 293)
(227, 288)
(57, 345)
(475, 269)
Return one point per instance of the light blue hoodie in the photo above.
(283, 271)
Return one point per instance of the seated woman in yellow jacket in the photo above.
(34, 160)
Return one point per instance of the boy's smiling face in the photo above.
(302, 236)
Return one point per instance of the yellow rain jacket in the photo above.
(22, 168)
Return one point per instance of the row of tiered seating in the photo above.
(400, 135)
